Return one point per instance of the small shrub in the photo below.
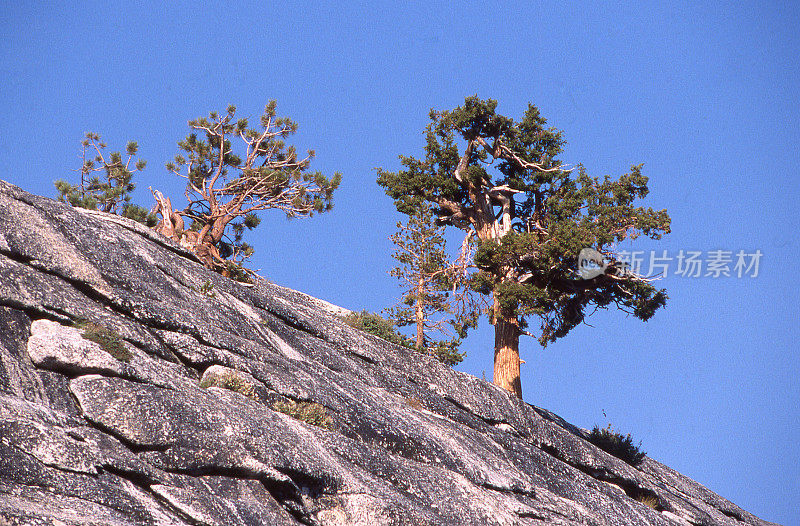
(231, 382)
(207, 289)
(377, 325)
(649, 501)
(447, 352)
(107, 339)
(308, 412)
(237, 272)
(618, 445)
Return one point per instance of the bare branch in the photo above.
(464, 162)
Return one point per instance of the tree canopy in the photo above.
(528, 216)
(110, 193)
(225, 187)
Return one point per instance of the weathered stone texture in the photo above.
(88, 439)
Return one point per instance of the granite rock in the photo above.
(186, 431)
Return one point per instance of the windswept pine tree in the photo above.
(499, 180)
(426, 277)
(111, 190)
(226, 188)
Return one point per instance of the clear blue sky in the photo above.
(703, 95)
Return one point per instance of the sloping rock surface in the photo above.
(180, 428)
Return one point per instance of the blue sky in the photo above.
(702, 94)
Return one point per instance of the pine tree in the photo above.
(112, 193)
(425, 273)
(225, 189)
(499, 181)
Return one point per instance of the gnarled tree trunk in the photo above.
(506, 327)
(172, 226)
(506, 352)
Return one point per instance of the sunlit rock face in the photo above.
(177, 413)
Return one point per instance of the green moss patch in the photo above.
(232, 382)
(106, 338)
(308, 412)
